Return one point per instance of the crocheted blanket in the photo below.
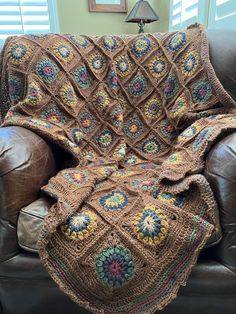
(138, 114)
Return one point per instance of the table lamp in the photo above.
(142, 13)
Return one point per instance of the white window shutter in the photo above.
(222, 14)
(186, 12)
(19, 17)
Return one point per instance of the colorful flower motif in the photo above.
(143, 184)
(138, 86)
(157, 66)
(126, 37)
(152, 108)
(77, 136)
(77, 177)
(114, 201)
(99, 185)
(105, 139)
(87, 121)
(167, 197)
(38, 36)
(190, 63)
(123, 103)
(54, 115)
(131, 160)
(113, 80)
(98, 162)
(12, 114)
(106, 171)
(215, 116)
(19, 53)
(175, 158)
(202, 137)
(149, 166)
(34, 94)
(158, 35)
(101, 99)
(89, 153)
(167, 129)
(188, 133)
(117, 116)
(97, 62)
(67, 142)
(39, 123)
(80, 225)
(67, 94)
(63, 51)
(133, 128)
(177, 200)
(123, 173)
(179, 107)
(155, 193)
(151, 225)
(16, 88)
(120, 151)
(176, 41)
(79, 41)
(222, 117)
(123, 65)
(47, 70)
(141, 46)
(171, 86)
(115, 266)
(202, 114)
(201, 91)
(151, 146)
(109, 43)
(82, 77)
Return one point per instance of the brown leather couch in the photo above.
(27, 162)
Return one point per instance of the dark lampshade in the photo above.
(142, 12)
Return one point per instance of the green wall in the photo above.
(74, 17)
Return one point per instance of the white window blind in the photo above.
(211, 13)
(27, 16)
(222, 14)
(186, 12)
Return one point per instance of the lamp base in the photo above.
(141, 27)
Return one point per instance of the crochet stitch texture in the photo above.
(138, 113)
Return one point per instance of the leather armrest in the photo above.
(220, 171)
(26, 164)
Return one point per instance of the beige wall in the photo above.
(74, 17)
(162, 7)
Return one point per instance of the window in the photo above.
(186, 12)
(211, 13)
(19, 17)
(222, 14)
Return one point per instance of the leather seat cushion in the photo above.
(211, 289)
(207, 277)
(30, 222)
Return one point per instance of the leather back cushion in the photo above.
(223, 57)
